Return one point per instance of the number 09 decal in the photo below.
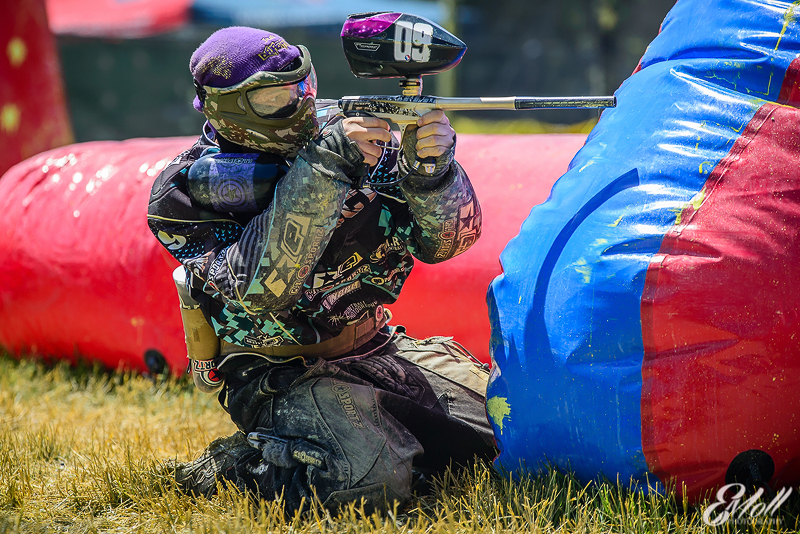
(411, 41)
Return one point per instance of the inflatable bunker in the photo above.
(647, 322)
(33, 110)
(85, 278)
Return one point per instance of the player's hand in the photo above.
(428, 146)
(435, 136)
(364, 131)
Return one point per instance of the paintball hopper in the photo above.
(398, 45)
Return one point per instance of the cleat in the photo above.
(200, 476)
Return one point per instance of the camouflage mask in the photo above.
(232, 113)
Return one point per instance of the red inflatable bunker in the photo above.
(82, 274)
(33, 110)
(84, 277)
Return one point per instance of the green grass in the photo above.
(83, 450)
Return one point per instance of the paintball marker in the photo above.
(399, 45)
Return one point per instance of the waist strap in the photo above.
(351, 338)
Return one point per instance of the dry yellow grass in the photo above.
(82, 450)
(81, 447)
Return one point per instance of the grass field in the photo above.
(82, 450)
(467, 125)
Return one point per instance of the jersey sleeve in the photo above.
(259, 265)
(446, 220)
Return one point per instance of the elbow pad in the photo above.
(235, 183)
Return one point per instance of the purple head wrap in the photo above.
(231, 55)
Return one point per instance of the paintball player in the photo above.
(288, 259)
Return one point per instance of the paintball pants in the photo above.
(363, 426)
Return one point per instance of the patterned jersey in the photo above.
(321, 256)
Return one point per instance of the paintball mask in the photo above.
(270, 111)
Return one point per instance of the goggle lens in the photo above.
(280, 101)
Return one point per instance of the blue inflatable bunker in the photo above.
(647, 322)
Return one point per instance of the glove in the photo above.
(206, 376)
(333, 155)
(427, 172)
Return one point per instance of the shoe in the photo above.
(201, 475)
